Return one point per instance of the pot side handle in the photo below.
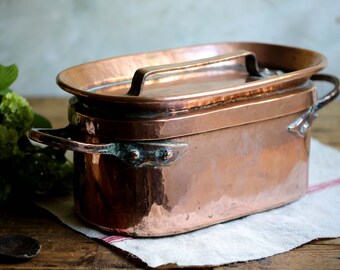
(332, 94)
(301, 125)
(138, 154)
(142, 73)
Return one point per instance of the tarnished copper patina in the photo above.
(172, 141)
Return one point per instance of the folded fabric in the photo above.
(316, 215)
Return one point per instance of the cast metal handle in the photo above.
(332, 94)
(138, 154)
(142, 73)
(301, 125)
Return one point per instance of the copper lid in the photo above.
(191, 77)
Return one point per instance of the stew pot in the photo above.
(172, 141)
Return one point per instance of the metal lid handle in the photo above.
(142, 73)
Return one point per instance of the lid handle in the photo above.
(142, 73)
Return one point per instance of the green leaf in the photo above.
(40, 121)
(4, 92)
(8, 75)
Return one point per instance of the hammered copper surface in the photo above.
(233, 135)
(225, 174)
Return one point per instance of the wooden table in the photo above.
(64, 248)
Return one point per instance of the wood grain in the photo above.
(64, 248)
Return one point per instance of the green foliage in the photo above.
(8, 142)
(40, 121)
(16, 113)
(27, 170)
(44, 172)
(8, 75)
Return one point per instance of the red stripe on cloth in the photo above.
(324, 185)
(114, 238)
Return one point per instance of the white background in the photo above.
(44, 37)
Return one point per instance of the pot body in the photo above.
(179, 146)
(225, 173)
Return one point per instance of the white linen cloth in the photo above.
(316, 215)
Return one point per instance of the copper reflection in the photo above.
(181, 151)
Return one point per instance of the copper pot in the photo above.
(172, 141)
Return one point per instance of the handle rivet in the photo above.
(134, 154)
(167, 154)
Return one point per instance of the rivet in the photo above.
(167, 154)
(134, 154)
